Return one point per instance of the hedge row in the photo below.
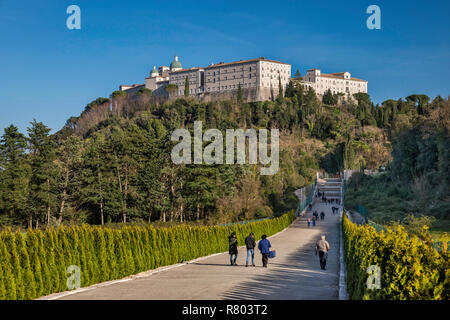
(410, 269)
(35, 264)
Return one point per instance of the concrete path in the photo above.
(294, 274)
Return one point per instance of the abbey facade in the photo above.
(257, 79)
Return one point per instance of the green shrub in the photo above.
(36, 264)
(410, 269)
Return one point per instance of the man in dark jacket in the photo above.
(233, 251)
(264, 246)
(250, 243)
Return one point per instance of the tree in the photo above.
(99, 101)
(144, 92)
(149, 178)
(186, 87)
(328, 98)
(297, 74)
(171, 88)
(118, 98)
(202, 188)
(290, 91)
(239, 95)
(280, 88)
(144, 96)
(93, 181)
(43, 194)
(15, 174)
(420, 101)
(69, 159)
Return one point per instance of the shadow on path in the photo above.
(299, 278)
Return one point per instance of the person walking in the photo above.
(250, 243)
(233, 248)
(264, 247)
(322, 247)
(322, 215)
(309, 221)
(314, 220)
(315, 214)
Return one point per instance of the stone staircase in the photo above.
(331, 187)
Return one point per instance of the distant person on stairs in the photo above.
(322, 247)
(233, 251)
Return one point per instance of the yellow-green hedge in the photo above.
(410, 269)
(35, 264)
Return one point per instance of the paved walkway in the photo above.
(294, 274)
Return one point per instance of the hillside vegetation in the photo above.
(112, 163)
(415, 188)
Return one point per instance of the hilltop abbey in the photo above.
(259, 80)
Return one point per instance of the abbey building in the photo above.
(257, 79)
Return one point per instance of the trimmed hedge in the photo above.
(35, 264)
(410, 269)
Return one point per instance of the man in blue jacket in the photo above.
(264, 246)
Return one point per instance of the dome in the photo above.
(154, 72)
(175, 65)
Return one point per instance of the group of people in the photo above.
(315, 217)
(326, 200)
(264, 246)
(335, 209)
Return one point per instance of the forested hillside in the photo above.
(112, 163)
(415, 189)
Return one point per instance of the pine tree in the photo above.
(69, 159)
(43, 187)
(15, 176)
(93, 182)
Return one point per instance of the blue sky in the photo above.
(50, 73)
